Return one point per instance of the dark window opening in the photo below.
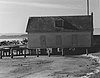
(59, 23)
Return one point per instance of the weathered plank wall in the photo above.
(59, 40)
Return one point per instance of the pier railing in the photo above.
(13, 50)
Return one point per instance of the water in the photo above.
(19, 39)
(97, 70)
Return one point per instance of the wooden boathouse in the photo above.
(60, 32)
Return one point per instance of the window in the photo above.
(59, 23)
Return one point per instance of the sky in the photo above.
(14, 14)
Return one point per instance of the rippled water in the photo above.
(12, 39)
(97, 70)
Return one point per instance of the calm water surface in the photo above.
(20, 39)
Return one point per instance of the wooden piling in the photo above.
(30, 51)
(11, 51)
(0, 54)
(87, 51)
(6, 53)
(62, 52)
(19, 52)
(25, 53)
(37, 52)
(48, 51)
(3, 53)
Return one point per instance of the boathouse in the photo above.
(60, 31)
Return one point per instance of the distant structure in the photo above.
(60, 32)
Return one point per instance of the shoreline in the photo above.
(81, 66)
(97, 70)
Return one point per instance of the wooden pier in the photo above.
(13, 50)
(23, 50)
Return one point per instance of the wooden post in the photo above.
(62, 52)
(3, 52)
(37, 52)
(11, 51)
(0, 54)
(48, 51)
(17, 52)
(30, 52)
(87, 51)
(6, 53)
(25, 53)
(20, 52)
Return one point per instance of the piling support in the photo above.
(49, 53)
(0, 54)
(11, 51)
(30, 51)
(6, 53)
(62, 52)
(87, 52)
(25, 53)
(37, 52)
(3, 52)
(49, 50)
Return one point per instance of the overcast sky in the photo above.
(14, 14)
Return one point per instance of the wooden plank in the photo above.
(43, 41)
(84, 40)
(67, 40)
(74, 40)
(58, 40)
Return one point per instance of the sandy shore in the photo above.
(47, 67)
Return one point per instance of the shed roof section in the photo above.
(71, 23)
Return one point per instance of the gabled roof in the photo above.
(71, 23)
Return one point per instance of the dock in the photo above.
(13, 50)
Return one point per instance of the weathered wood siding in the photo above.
(59, 39)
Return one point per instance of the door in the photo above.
(43, 41)
(74, 40)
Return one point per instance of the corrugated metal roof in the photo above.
(71, 23)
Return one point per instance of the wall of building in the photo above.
(59, 39)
